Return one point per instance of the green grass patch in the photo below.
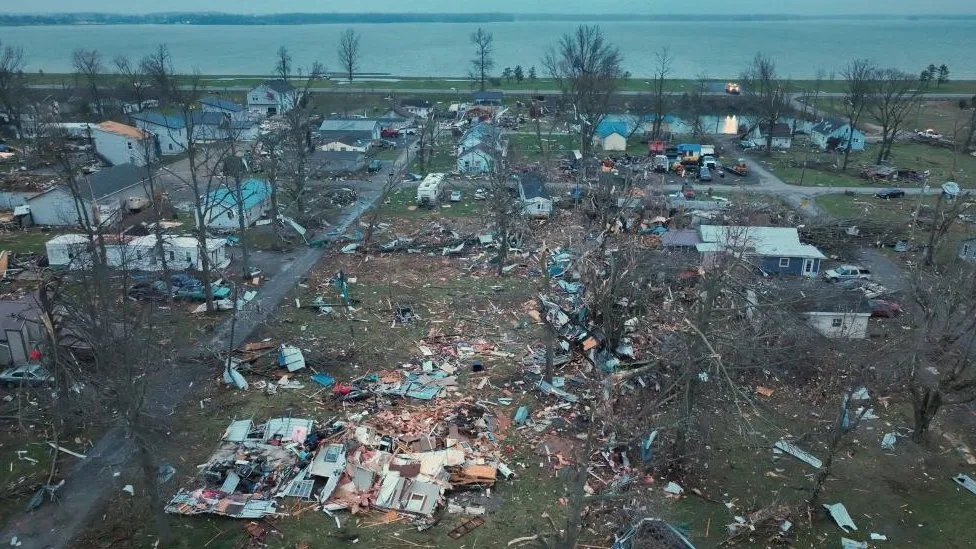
(526, 145)
(385, 154)
(26, 242)
(403, 203)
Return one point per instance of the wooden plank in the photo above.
(466, 527)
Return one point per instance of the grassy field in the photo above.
(402, 203)
(25, 242)
(943, 165)
(895, 211)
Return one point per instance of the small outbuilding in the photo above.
(533, 196)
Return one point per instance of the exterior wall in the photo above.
(11, 199)
(261, 99)
(422, 112)
(55, 207)
(171, 141)
(225, 218)
(839, 325)
(967, 250)
(614, 142)
(537, 207)
(474, 162)
(239, 116)
(820, 139)
(772, 266)
(340, 146)
(119, 149)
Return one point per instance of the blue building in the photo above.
(222, 210)
(774, 250)
(835, 134)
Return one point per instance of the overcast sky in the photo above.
(819, 7)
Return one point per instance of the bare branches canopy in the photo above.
(766, 94)
(483, 62)
(349, 52)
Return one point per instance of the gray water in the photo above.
(714, 48)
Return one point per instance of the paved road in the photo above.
(429, 91)
(90, 481)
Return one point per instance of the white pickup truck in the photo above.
(928, 134)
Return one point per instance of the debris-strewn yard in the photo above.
(425, 401)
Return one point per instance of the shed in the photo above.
(680, 240)
(835, 314)
(21, 331)
(782, 136)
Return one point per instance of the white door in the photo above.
(807, 267)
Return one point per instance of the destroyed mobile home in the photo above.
(345, 466)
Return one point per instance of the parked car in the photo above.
(455, 196)
(705, 174)
(480, 194)
(688, 191)
(390, 132)
(409, 131)
(847, 272)
(26, 374)
(881, 308)
(374, 166)
(890, 193)
(146, 291)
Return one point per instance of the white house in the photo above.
(476, 160)
(533, 196)
(222, 209)
(834, 134)
(170, 131)
(612, 132)
(271, 97)
(417, 107)
(102, 196)
(234, 111)
(122, 144)
(782, 136)
(137, 253)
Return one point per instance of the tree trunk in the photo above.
(847, 149)
(926, 403)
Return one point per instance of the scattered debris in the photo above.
(839, 513)
(128, 489)
(465, 527)
(798, 454)
(888, 441)
(966, 482)
(674, 488)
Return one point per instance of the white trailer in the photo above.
(430, 189)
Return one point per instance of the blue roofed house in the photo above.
(235, 111)
(217, 126)
(533, 196)
(773, 250)
(222, 209)
(170, 131)
(612, 132)
(479, 147)
(832, 134)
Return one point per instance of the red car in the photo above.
(884, 309)
(389, 132)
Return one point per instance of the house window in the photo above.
(538, 207)
(230, 215)
(172, 256)
(965, 250)
(129, 143)
(138, 254)
(170, 146)
(784, 262)
(188, 258)
(836, 323)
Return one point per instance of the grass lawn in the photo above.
(526, 146)
(943, 165)
(402, 203)
(443, 158)
(897, 210)
(26, 242)
(385, 154)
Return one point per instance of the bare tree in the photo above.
(947, 213)
(483, 62)
(13, 85)
(349, 52)
(158, 68)
(766, 95)
(426, 140)
(660, 99)
(283, 64)
(941, 359)
(587, 70)
(88, 66)
(297, 143)
(858, 78)
(696, 104)
(971, 129)
(894, 95)
(133, 77)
